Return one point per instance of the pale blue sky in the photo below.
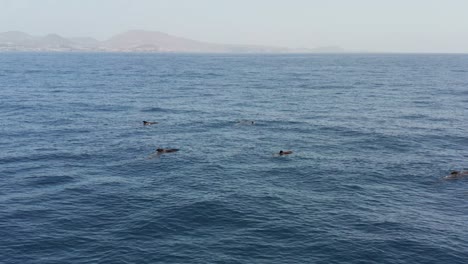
(367, 25)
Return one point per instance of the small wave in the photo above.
(464, 92)
(44, 157)
(439, 119)
(218, 124)
(421, 102)
(345, 131)
(206, 213)
(33, 71)
(400, 84)
(79, 190)
(111, 108)
(330, 87)
(165, 110)
(154, 109)
(51, 180)
(414, 117)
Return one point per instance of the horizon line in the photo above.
(314, 50)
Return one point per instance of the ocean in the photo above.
(372, 136)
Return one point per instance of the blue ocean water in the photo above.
(372, 137)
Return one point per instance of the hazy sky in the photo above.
(366, 25)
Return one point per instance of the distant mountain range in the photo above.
(136, 41)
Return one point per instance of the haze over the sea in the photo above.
(432, 26)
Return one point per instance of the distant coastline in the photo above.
(136, 41)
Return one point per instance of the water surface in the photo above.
(372, 136)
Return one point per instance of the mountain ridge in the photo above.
(135, 41)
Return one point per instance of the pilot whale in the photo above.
(147, 123)
(456, 175)
(160, 150)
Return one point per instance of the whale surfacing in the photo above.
(147, 123)
(160, 150)
(456, 175)
(287, 152)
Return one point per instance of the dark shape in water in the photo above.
(147, 123)
(246, 122)
(456, 175)
(160, 150)
(287, 152)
